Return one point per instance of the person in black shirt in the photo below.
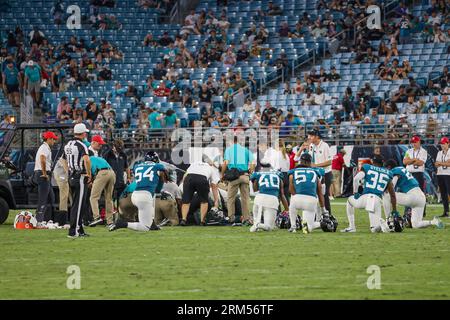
(79, 166)
(333, 75)
(91, 111)
(165, 40)
(159, 72)
(117, 159)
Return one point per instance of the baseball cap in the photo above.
(98, 139)
(49, 135)
(402, 116)
(108, 102)
(31, 63)
(444, 140)
(80, 128)
(415, 139)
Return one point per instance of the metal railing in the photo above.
(347, 133)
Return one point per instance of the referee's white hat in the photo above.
(80, 128)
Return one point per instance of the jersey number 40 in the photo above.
(149, 173)
(269, 181)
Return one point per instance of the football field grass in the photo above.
(227, 263)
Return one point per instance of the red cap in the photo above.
(98, 139)
(49, 135)
(444, 140)
(415, 139)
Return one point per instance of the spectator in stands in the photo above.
(431, 88)
(228, 59)
(284, 30)
(405, 29)
(162, 90)
(309, 98)
(400, 95)
(91, 112)
(57, 12)
(64, 111)
(11, 83)
(402, 130)
(171, 120)
(159, 72)
(433, 107)
(348, 103)
(149, 41)
(411, 106)
(389, 108)
(273, 9)
(33, 80)
(165, 40)
(36, 36)
(131, 91)
(383, 50)
(366, 92)
(333, 75)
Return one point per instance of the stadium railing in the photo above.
(344, 134)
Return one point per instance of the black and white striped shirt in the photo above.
(73, 152)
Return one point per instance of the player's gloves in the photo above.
(325, 212)
(395, 214)
(356, 195)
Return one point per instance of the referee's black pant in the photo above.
(78, 186)
(328, 181)
(421, 180)
(46, 197)
(444, 188)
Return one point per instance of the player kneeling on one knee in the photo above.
(149, 177)
(409, 194)
(270, 186)
(376, 181)
(306, 191)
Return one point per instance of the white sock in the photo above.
(375, 229)
(423, 224)
(293, 216)
(351, 216)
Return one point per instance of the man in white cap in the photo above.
(76, 154)
(33, 80)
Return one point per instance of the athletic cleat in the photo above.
(253, 228)
(72, 237)
(438, 223)
(96, 222)
(84, 235)
(237, 224)
(348, 229)
(384, 226)
(154, 227)
(118, 225)
(444, 215)
(183, 223)
(292, 230)
(305, 228)
(164, 222)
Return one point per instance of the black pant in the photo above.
(328, 181)
(78, 187)
(287, 194)
(444, 188)
(118, 190)
(46, 197)
(421, 180)
(195, 183)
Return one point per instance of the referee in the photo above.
(77, 155)
(42, 174)
(199, 176)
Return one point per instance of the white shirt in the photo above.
(420, 154)
(93, 150)
(321, 153)
(443, 157)
(206, 170)
(276, 160)
(45, 150)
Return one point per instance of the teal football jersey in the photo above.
(268, 182)
(146, 176)
(376, 179)
(305, 181)
(405, 181)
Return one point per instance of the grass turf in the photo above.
(226, 263)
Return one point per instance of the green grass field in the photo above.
(226, 263)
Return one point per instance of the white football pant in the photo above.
(145, 203)
(309, 205)
(265, 206)
(415, 199)
(372, 204)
